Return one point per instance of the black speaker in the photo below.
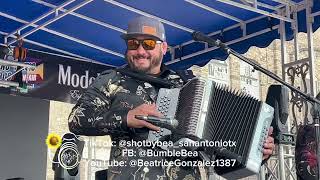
(278, 98)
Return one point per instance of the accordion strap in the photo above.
(148, 78)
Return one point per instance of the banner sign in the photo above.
(54, 78)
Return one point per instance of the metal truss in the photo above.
(241, 24)
(42, 27)
(200, 5)
(214, 10)
(71, 55)
(282, 11)
(149, 15)
(34, 21)
(251, 5)
(14, 63)
(47, 22)
(274, 171)
(60, 35)
(255, 8)
(205, 50)
(92, 20)
(36, 27)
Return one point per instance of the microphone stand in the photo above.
(198, 36)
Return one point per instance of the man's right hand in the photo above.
(143, 109)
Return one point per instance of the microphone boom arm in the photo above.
(198, 36)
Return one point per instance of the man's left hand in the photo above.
(268, 145)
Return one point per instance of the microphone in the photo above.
(199, 36)
(162, 122)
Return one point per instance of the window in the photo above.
(249, 80)
(218, 71)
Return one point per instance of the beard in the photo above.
(153, 62)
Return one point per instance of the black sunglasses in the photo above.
(147, 44)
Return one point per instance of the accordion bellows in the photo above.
(214, 112)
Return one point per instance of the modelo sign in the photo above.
(68, 78)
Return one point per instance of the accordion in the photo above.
(214, 112)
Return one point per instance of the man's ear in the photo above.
(164, 47)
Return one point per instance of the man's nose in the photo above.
(141, 50)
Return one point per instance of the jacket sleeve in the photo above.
(94, 114)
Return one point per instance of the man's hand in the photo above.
(144, 109)
(268, 145)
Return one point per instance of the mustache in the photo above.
(141, 57)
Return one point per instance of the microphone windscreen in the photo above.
(175, 123)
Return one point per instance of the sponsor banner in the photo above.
(55, 78)
(6, 72)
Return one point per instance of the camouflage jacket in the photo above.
(102, 110)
